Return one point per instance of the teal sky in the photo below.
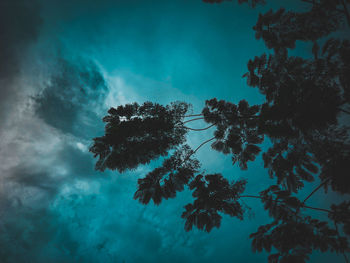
(71, 61)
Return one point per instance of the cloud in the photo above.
(42, 153)
(71, 96)
(55, 207)
(19, 27)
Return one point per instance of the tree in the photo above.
(306, 97)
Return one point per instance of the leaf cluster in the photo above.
(236, 129)
(291, 164)
(136, 134)
(341, 215)
(301, 94)
(281, 29)
(213, 195)
(296, 238)
(165, 181)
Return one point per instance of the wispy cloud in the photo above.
(19, 27)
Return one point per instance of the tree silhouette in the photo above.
(137, 134)
(306, 98)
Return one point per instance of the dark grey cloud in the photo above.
(42, 152)
(19, 27)
(26, 177)
(39, 219)
(70, 98)
(46, 178)
(34, 235)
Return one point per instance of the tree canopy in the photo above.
(304, 115)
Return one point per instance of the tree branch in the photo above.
(197, 149)
(202, 145)
(346, 11)
(315, 190)
(192, 115)
(192, 153)
(202, 129)
(347, 112)
(281, 201)
(309, 1)
(317, 209)
(193, 120)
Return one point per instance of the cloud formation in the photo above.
(73, 93)
(55, 207)
(20, 23)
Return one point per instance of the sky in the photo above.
(63, 64)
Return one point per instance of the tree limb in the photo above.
(192, 115)
(202, 145)
(202, 118)
(202, 129)
(188, 156)
(315, 190)
(281, 201)
(347, 112)
(346, 11)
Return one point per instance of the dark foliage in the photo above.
(301, 94)
(295, 238)
(137, 134)
(236, 129)
(307, 101)
(341, 215)
(332, 149)
(281, 28)
(293, 235)
(171, 177)
(214, 195)
(291, 163)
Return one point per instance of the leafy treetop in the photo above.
(306, 98)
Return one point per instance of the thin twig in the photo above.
(345, 111)
(202, 129)
(281, 201)
(202, 144)
(188, 156)
(346, 257)
(251, 196)
(314, 191)
(192, 120)
(197, 149)
(316, 208)
(346, 11)
(192, 115)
